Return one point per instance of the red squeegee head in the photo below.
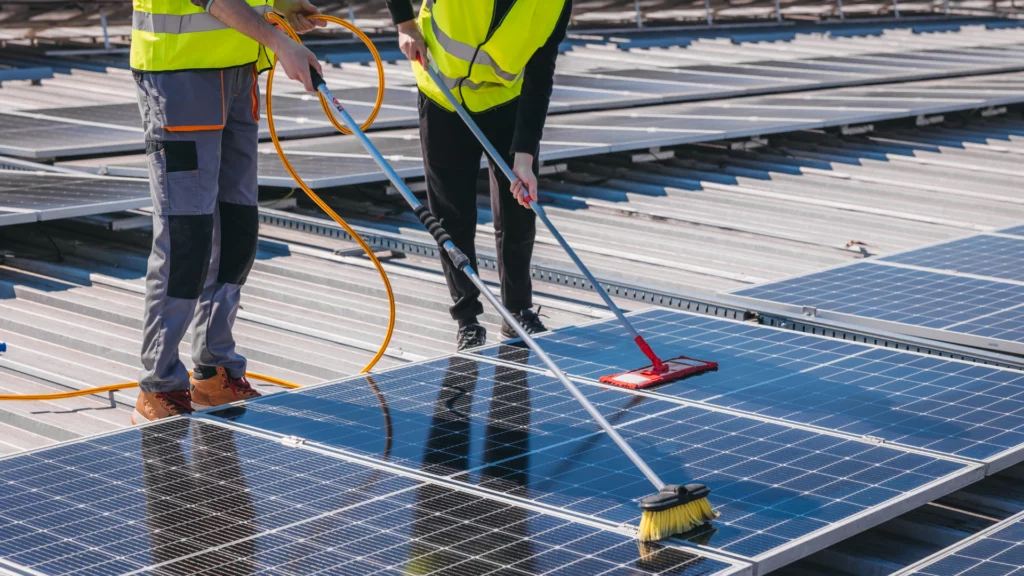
(659, 372)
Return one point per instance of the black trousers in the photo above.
(451, 156)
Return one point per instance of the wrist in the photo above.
(407, 27)
(278, 40)
(524, 158)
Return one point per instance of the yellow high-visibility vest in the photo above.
(178, 35)
(482, 71)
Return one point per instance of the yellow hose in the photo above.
(278, 20)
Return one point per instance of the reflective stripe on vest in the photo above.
(483, 68)
(183, 24)
(170, 35)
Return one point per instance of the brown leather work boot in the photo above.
(220, 389)
(156, 405)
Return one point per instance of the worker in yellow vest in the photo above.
(196, 64)
(498, 58)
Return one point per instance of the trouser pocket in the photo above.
(174, 177)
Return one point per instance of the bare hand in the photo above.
(525, 185)
(296, 60)
(410, 42)
(300, 14)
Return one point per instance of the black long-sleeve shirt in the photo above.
(538, 78)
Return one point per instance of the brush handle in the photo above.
(499, 161)
(463, 263)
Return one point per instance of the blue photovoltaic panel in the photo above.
(522, 434)
(915, 297)
(425, 415)
(1016, 230)
(992, 256)
(947, 406)
(997, 553)
(186, 496)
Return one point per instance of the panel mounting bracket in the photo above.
(853, 130)
(923, 120)
(549, 169)
(749, 144)
(873, 439)
(810, 311)
(653, 155)
(293, 441)
(993, 111)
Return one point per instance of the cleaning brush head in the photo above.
(675, 509)
(648, 376)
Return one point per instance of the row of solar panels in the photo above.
(804, 440)
(104, 129)
(338, 161)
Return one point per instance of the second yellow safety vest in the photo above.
(482, 70)
(172, 35)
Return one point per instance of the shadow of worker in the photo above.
(498, 533)
(199, 512)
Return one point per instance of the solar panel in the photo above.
(996, 551)
(944, 406)
(782, 491)
(996, 257)
(187, 495)
(893, 293)
(35, 196)
(1016, 230)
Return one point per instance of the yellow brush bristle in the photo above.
(675, 520)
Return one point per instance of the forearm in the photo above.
(240, 16)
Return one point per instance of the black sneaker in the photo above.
(472, 336)
(528, 319)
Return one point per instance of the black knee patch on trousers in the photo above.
(239, 237)
(189, 257)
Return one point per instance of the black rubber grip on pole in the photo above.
(459, 259)
(432, 225)
(317, 78)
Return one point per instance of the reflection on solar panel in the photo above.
(946, 406)
(35, 196)
(996, 551)
(185, 496)
(996, 257)
(519, 433)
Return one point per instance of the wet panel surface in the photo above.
(186, 496)
(947, 406)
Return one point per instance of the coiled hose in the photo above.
(283, 24)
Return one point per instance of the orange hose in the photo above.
(276, 19)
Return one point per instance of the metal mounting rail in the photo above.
(714, 305)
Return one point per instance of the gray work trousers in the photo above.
(202, 132)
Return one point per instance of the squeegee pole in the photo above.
(499, 161)
(449, 247)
